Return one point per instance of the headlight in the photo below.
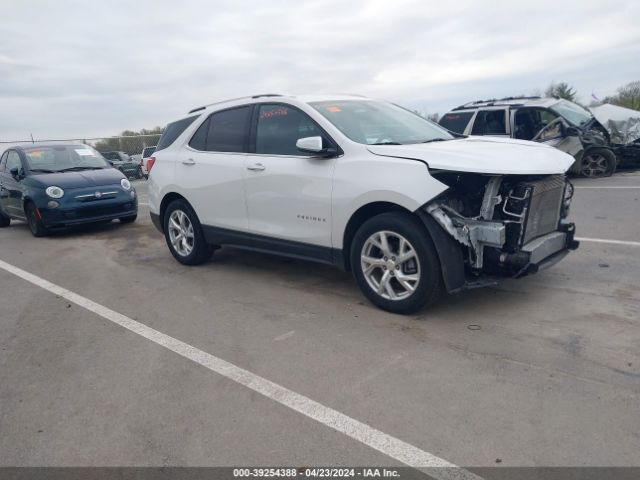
(126, 184)
(54, 192)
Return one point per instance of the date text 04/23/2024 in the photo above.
(285, 473)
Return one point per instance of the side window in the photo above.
(456, 121)
(279, 128)
(173, 131)
(199, 139)
(228, 130)
(529, 121)
(490, 122)
(13, 161)
(3, 161)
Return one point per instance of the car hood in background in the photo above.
(491, 155)
(82, 179)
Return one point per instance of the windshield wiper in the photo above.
(435, 140)
(42, 170)
(386, 143)
(77, 169)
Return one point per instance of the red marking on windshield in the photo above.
(280, 112)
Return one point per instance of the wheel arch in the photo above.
(448, 251)
(166, 201)
(358, 218)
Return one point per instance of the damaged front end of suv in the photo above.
(498, 225)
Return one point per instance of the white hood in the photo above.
(483, 155)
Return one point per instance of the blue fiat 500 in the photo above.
(58, 185)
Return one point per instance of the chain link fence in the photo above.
(132, 145)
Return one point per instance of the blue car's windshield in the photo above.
(64, 158)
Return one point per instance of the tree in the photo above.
(561, 90)
(129, 141)
(627, 96)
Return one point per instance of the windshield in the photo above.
(64, 157)
(379, 123)
(576, 115)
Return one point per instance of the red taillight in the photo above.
(150, 163)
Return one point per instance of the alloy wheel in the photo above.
(390, 265)
(181, 233)
(594, 165)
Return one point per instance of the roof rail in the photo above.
(233, 100)
(267, 95)
(494, 101)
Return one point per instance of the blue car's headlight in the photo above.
(126, 184)
(54, 192)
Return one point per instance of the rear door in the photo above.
(211, 169)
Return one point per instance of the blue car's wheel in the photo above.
(4, 220)
(35, 220)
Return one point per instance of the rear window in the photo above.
(456, 122)
(173, 131)
(147, 152)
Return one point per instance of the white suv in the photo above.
(364, 185)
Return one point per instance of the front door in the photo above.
(544, 126)
(11, 192)
(288, 193)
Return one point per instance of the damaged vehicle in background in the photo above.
(562, 124)
(364, 185)
(623, 125)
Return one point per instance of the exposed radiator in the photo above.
(544, 207)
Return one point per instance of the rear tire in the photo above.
(183, 233)
(598, 163)
(395, 263)
(34, 220)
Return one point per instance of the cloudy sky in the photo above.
(84, 68)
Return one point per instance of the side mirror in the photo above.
(313, 145)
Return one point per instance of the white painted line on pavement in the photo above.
(610, 187)
(284, 336)
(380, 441)
(142, 203)
(613, 242)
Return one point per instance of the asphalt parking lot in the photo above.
(542, 371)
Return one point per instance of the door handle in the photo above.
(189, 161)
(256, 167)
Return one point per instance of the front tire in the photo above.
(4, 220)
(129, 219)
(598, 163)
(183, 234)
(34, 219)
(395, 263)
